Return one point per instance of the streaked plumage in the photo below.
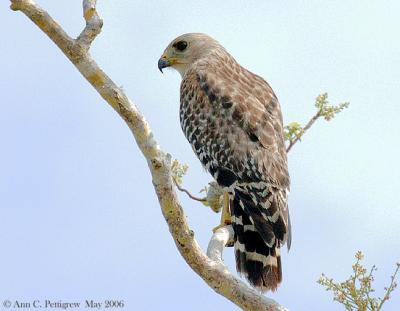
(233, 121)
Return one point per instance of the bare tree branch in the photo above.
(214, 273)
(222, 237)
(93, 24)
(294, 132)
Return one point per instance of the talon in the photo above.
(226, 223)
(225, 215)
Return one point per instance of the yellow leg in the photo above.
(225, 214)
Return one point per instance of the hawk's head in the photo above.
(185, 50)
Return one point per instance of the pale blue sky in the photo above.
(79, 216)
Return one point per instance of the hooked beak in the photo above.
(163, 62)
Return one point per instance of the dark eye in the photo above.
(180, 45)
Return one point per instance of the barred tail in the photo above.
(257, 250)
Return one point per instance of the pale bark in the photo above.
(211, 270)
(221, 237)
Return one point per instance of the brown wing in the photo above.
(233, 120)
(253, 118)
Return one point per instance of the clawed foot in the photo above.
(226, 223)
(225, 215)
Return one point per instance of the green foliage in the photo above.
(178, 171)
(355, 292)
(328, 111)
(292, 131)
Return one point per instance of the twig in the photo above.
(77, 50)
(391, 287)
(307, 127)
(180, 188)
(324, 110)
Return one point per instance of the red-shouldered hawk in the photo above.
(233, 120)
